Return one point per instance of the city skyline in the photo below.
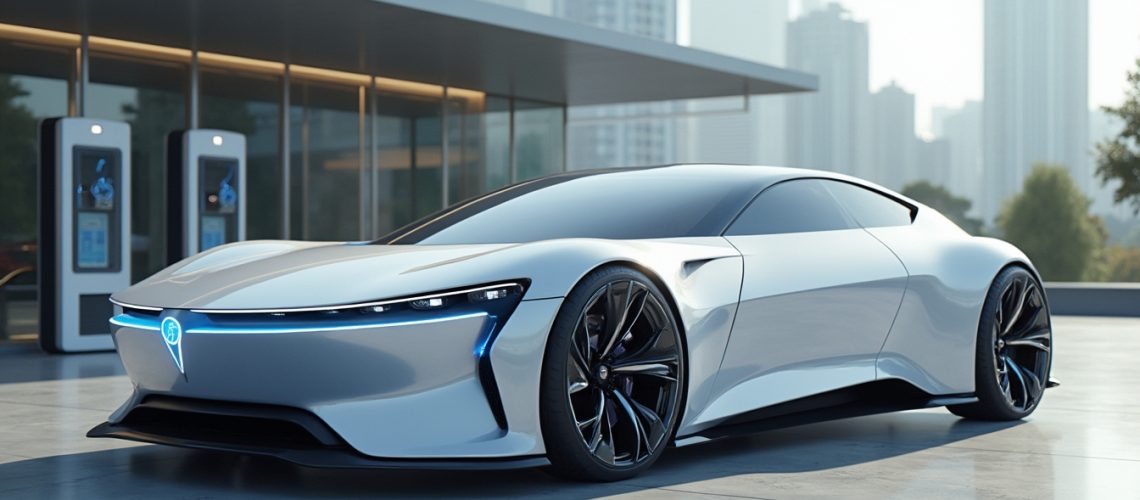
(920, 46)
(925, 60)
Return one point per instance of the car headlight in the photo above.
(495, 299)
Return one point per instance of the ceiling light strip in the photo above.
(126, 47)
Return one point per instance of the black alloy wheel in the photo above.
(1015, 347)
(613, 379)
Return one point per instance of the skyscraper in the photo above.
(721, 130)
(962, 129)
(1036, 93)
(827, 129)
(627, 134)
(893, 145)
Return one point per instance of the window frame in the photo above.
(912, 208)
(846, 211)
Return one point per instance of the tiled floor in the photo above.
(1083, 442)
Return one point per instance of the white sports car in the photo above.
(584, 321)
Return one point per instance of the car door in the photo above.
(817, 301)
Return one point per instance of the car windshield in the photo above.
(616, 204)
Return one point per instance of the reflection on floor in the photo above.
(1084, 441)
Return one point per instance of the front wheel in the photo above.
(1014, 349)
(612, 379)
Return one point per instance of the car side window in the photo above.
(796, 206)
(869, 208)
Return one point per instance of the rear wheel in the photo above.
(1014, 349)
(612, 378)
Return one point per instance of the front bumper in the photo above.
(285, 433)
(389, 392)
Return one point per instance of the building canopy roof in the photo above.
(469, 44)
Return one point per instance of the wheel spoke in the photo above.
(604, 447)
(619, 305)
(651, 368)
(597, 415)
(639, 436)
(1019, 307)
(616, 305)
(648, 348)
(650, 419)
(579, 362)
(597, 420)
(1034, 322)
(1020, 379)
(1034, 343)
(645, 359)
(1036, 333)
(645, 368)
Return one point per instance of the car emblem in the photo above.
(171, 331)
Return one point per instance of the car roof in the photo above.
(759, 176)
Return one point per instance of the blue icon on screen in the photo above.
(227, 195)
(102, 191)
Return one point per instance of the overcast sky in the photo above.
(933, 48)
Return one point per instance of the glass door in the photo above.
(34, 83)
(409, 159)
(326, 162)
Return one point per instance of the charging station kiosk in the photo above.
(206, 208)
(84, 241)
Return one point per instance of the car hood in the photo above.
(291, 274)
(283, 274)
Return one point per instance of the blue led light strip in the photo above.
(142, 324)
(128, 321)
(328, 328)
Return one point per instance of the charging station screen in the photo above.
(218, 204)
(96, 209)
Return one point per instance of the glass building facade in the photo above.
(330, 155)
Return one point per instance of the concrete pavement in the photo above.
(1083, 442)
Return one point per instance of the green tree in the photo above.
(938, 198)
(1119, 158)
(1123, 264)
(1050, 221)
(17, 164)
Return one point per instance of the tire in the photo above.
(1014, 349)
(610, 408)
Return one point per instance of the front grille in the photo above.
(225, 423)
(142, 313)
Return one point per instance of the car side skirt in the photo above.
(871, 398)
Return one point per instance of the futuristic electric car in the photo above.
(587, 321)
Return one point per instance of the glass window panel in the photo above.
(869, 208)
(497, 143)
(33, 86)
(325, 162)
(409, 139)
(792, 207)
(151, 97)
(394, 174)
(251, 105)
(427, 179)
(538, 139)
(478, 147)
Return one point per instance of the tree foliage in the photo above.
(17, 164)
(1050, 221)
(1118, 158)
(942, 200)
(1123, 264)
